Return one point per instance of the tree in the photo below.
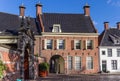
(2, 68)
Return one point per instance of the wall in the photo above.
(108, 59)
(68, 51)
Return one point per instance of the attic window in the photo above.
(115, 39)
(56, 28)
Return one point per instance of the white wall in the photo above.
(108, 59)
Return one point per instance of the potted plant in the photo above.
(43, 69)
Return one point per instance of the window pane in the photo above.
(114, 64)
(89, 62)
(89, 44)
(69, 62)
(56, 28)
(109, 52)
(118, 52)
(49, 44)
(77, 44)
(61, 44)
(103, 52)
(77, 63)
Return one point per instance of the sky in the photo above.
(100, 10)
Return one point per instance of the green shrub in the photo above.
(2, 68)
(43, 66)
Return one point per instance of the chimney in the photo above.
(38, 9)
(22, 10)
(106, 25)
(86, 10)
(118, 25)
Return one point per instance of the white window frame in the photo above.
(90, 60)
(118, 52)
(79, 62)
(59, 28)
(109, 50)
(114, 64)
(92, 44)
(75, 43)
(45, 43)
(58, 43)
(71, 63)
(49, 43)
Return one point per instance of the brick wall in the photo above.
(69, 51)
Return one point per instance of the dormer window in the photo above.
(56, 28)
(115, 39)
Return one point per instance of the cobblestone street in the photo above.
(97, 77)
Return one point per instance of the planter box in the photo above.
(43, 73)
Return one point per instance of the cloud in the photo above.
(114, 2)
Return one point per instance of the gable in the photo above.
(111, 37)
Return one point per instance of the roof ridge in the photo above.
(9, 13)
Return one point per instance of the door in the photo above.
(104, 66)
(26, 65)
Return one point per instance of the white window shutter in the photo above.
(45, 43)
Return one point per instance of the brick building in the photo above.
(68, 42)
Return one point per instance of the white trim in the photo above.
(70, 34)
(109, 47)
(56, 25)
(75, 44)
(87, 63)
(80, 61)
(68, 62)
(8, 37)
(8, 41)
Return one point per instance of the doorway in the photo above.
(26, 64)
(57, 64)
(104, 66)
